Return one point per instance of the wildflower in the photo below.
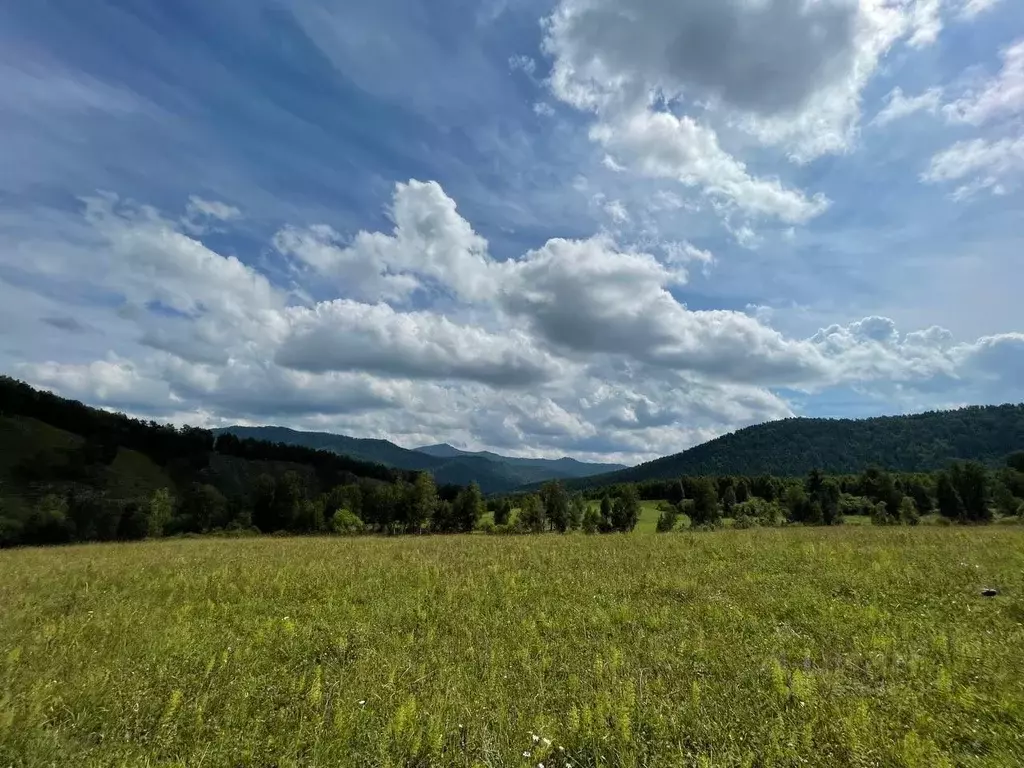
(362, 702)
(536, 738)
(526, 754)
(547, 742)
(561, 749)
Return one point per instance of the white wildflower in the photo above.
(536, 738)
(547, 742)
(526, 754)
(362, 702)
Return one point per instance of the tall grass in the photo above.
(853, 646)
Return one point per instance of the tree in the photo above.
(728, 500)
(796, 501)
(606, 524)
(626, 510)
(161, 510)
(909, 514)
(705, 502)
(346, 522)
(591, 519)
(49, 523)
(202, 507)
(577, 510)
(668, 518)
(1016, 461)
(421, 501)
(676, 493)
(950, 504)
(502, 512)
(556, 505)
(1006, 503)
(971, 480)
(878, 485)
(531, 514)
(468, 507)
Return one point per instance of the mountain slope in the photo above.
(561, 468)
(792, 447)
(493, 475)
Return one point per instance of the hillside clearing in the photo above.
(855, 646)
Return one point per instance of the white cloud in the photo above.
(898, 105)
(660, 145)
(347, 335)
(987, 164)
(971, 8)
(998, 97)
(925, 22)
(522, 62)
(198, 207)
(430, 242)
(616, 211)
(543, 109)
(578, 346)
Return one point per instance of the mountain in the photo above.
(492, 472)
(793, 447)
(564, 467)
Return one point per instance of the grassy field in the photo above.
(856, 646)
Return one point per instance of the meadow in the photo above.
(855, 645)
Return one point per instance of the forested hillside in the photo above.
(793, 447)
(69, 472)
(491, 471)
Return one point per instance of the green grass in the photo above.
(828, 647)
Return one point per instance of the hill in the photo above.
(71, 472)
(564, 467)
(793, 447)
(449, 466)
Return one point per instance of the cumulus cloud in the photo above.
(578, 346)
(986, 164)
(430, 242)
(660, 145)
(347, 335)
(788, 72)
(1000, 96)
(899, 105)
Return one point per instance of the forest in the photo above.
(69, 473)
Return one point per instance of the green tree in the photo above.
(1006, 503)
(909, 513)
(346, 522)
(971, 482)
(879, 486)
(626, 510)
(421, 502)
(591, 519)
(48, 522)
(796, 501)
(201, 508)
(607, 522)
(668, 518)
(556, 505)
(502, 512)
(705, 502)
(531, 514)
(577, 510)
(161, 510)
(728, 500)
(468, 507)
(947, 497)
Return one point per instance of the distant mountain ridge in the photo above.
(793, 447)
(566, 466)
(492, 472)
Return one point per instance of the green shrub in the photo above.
(346, 523)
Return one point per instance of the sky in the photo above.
(576, 227)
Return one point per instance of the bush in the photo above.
(346, 523)
(757, 511)
(591, 520)
(908, 512)
(486, 525)
(880, 515)
(668, 518)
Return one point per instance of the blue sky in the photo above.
(542, 228)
